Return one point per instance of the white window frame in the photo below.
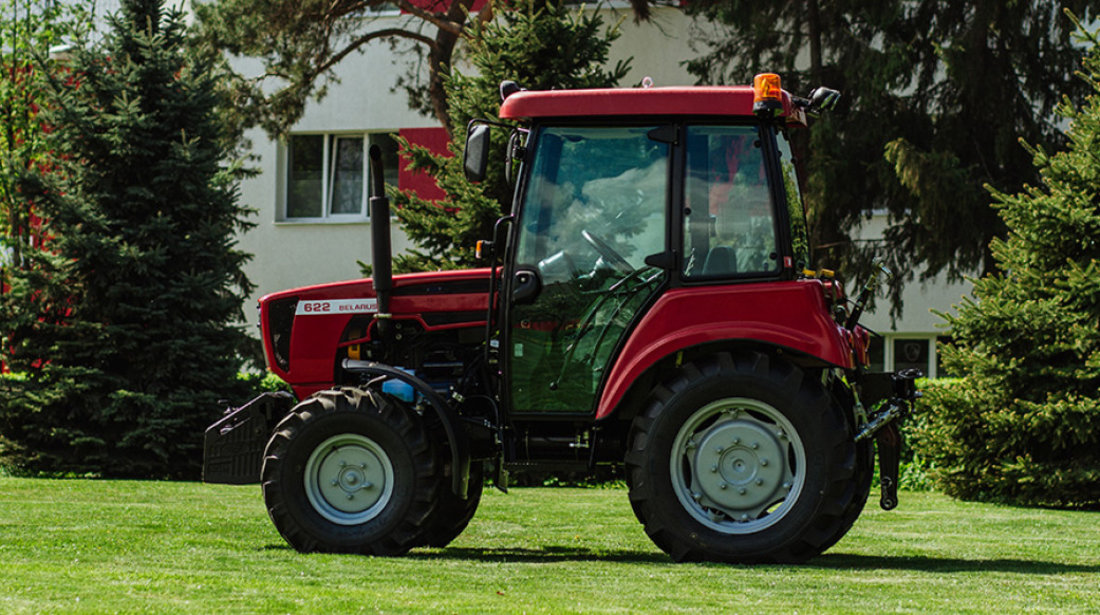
(328, 174)
(889, 359)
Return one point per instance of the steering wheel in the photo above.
(607, 253)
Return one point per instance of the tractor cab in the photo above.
(616, 208)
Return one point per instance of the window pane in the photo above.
(876, 352)
(911, 353)
(729, 227)
(347, 175)
(795, 208)
(389, 156)
(305, 174)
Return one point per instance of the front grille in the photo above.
(280, 322)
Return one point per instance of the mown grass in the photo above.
(78, 546)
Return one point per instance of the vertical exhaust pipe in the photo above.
(381, 256)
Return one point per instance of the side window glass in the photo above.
(795, 209)
(729, 226)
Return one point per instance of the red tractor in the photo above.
(652, 310)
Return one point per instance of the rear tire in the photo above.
(350, 471)
(742, 458)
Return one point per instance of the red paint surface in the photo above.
(314, 339)
(714, 101)
(435, 139)
(441, 6)
(787, 314)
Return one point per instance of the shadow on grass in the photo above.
(543, 555)
(946, 564)
(830, 561)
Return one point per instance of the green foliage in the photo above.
(28, 29)
(541, 46)
(265, 382)
(300, 42)
(936, 94)
(1024, 423)
(121, 317)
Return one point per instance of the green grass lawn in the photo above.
(102, 546)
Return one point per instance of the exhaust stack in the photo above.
(381, 257)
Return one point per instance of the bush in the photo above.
(1023, 424)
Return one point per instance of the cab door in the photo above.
(594, 207)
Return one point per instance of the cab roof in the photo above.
(727, 101)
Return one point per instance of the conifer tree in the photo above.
(122, 323)
(1023, 424)
(540, 46)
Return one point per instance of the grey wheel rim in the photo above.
(737, 465)
(349, 479)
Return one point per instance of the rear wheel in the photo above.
(742, 458)
(350, 471)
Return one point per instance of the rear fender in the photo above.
(785, 315)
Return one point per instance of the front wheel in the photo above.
(741, 458)
(350, 471)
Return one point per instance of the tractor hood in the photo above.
(302, 328)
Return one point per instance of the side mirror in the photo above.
(476, 156)
(824, 99)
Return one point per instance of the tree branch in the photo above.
(433, 18)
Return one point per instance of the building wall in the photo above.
(911, 340)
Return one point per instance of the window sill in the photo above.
(324, 221)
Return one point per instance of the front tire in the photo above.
(350, 471)
(741, 458)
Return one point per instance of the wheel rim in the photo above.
(738, 465)
(349, 479)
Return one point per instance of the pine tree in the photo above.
(1023, 425)
(122, 322)
(539, 45)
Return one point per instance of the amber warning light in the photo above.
(767, 95)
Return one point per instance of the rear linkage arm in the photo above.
(884, 427)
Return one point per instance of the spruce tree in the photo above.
(540, 46)
(122, 324)
(1023, 424)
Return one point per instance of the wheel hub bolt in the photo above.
(714, 468)
(755, 445)
(740, 491)
(763, 462)
(723, 486)
(744, 517)
(351, 497)
(759, 482)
